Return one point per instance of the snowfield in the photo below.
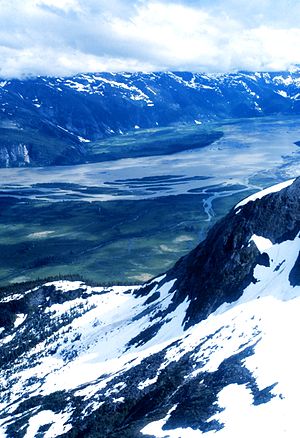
(107, 345)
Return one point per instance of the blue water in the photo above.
(253, 153)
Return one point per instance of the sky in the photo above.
(65, 37)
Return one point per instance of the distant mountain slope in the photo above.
(89, 107)
(209, 349)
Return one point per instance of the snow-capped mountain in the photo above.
(71, 112)
(208, 349)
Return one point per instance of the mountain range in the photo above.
(58, 120)
(210, 348)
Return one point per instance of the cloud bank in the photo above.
(64, 37)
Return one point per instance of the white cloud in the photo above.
(68, 36)
(64, 5)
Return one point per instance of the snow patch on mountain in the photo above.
(282, 93)
(237, 369)
(54, 420)
(262, 193)
(261, 243)
(274, 364)
(19, 320)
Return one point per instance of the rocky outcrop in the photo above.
(14, 155)
(111, 362)
(219, 269)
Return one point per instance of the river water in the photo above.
(253, 153)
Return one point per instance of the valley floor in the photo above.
(128, 220)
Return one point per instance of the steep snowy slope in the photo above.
(208, 349)
(88, 107)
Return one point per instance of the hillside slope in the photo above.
(208, 349)
(39, 113)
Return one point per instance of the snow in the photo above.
(104, 323)
(106, 320)
(13, 297)
(119, 400)
(147, 382)
(240, 418)
(262, 193)
(65, 130)
(104, 344)
(195, 82)
(20, 318)
(65, 285)
(7, 339)
(275, 359)
(261, 242)
(251, 76)
(273, 281)
(57, 422)
(155, 428)
(266, 318)
(158, 279)
(266, 77)
(285, 81)
(83, 140)
(116, 389)
(97, 83)
(151, 90)
(77, 86)
(257, 107)
(26, 154)
(206, 87)
(282, 93)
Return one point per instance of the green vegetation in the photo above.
(45, 145)
(156, 141)
(50, 145)
(124, 241)
(120, 241)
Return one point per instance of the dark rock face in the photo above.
(179, 382)
(197, 401)
(32, 141)
(294, 277)
(33, 305)
(220, 268)
(93, 106)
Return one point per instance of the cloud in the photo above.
(63, 37)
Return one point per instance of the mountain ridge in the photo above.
(152, 360)
(87, 108)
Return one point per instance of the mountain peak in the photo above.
(220, 268)
(192, 351)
